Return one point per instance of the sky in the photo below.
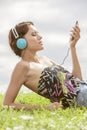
(54, 19)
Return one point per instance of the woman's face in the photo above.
(33, 38)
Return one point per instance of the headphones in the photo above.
(21, 43)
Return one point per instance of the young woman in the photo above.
(41, 74)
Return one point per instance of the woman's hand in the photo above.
(75, 35)
(54, 106)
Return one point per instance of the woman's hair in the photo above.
(22, 29)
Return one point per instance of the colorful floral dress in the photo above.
(58, 84)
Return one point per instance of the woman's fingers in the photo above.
(74, 36)
(75, 33)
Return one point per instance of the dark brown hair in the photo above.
(22, 29)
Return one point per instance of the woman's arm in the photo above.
(76, 70)
(17, 79)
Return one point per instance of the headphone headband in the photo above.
(14, 31)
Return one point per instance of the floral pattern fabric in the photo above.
(58, 84)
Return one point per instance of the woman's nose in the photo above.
(39, 36)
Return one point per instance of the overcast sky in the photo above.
(54, 20)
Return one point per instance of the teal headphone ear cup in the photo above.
(21, 43)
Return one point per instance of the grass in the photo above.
(68, 119)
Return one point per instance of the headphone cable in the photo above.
(65, 56)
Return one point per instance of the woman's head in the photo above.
(27, 31)
(22, 29)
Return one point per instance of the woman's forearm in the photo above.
(24, 106)
(51, 106)
(76, 70)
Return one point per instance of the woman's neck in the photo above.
(30, 56)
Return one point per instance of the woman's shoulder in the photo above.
(22, 66)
